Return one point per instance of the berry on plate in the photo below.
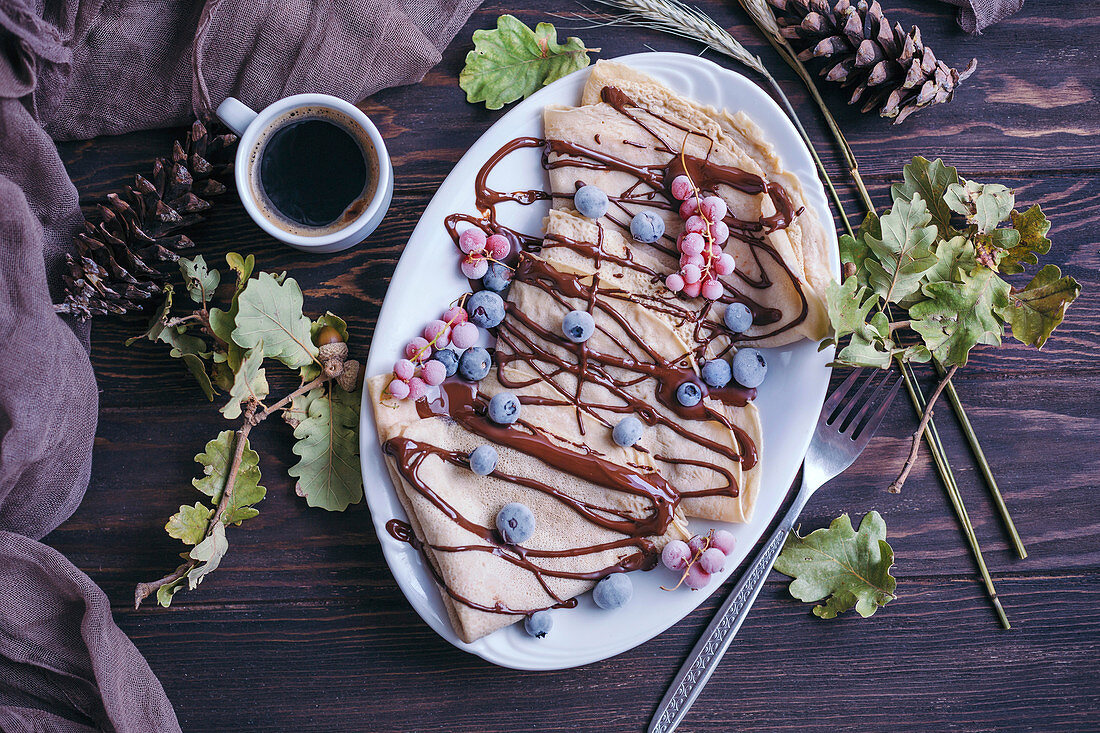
(497, 278)
(474, 364)
(578, 326)
(696, 577)
(516, 523)
(647, 227)
(590, 201)
(471, 240)
(688, 394)
(498, 246)
(627, 432)
(539, 623)
(504, 408)
(483, 460)
(449, 359)
(485, 308)
(676, 555)
(614, 591)
(464, 335)
(399, 389)
(749, 367)
(712, 560)
(433, 372)
(723, 540)
(738, 317)
(716, 372)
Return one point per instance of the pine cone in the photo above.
(115, 267)
(887, 67)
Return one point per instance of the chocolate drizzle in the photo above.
(525, 339)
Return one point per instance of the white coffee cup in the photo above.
(251, 126)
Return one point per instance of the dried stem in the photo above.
(895, 488)
(932, 437)
(253, 416)
(195, 317)
(983, 465)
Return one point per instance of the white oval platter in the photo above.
(427, 279)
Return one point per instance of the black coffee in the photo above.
(313, 171)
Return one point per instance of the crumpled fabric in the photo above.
(977, 15)
(73, 70)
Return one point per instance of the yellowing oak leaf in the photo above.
(270, 314)
(903, 252)
(1039, 308)
(328, 449)
(985, 205)
(959, 315)
(841, 566)
(513, 62)
(1032, 226)
(249, 383)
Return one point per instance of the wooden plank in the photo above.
(143, 464)
(353, 283)
(931, 661)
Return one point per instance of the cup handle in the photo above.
(236, 114)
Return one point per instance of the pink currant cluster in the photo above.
(699, 558)
(479, 250)
(418, 370)
(701, 257)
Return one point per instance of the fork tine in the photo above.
(842, 421)
(863, 430)
(838, 394)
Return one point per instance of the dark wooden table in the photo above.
(302, 628)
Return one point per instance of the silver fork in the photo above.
(849, 418)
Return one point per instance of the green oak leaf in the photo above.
(215, 460)
(271, 313)
(903, 252)
(176, 337)
(959, 315)
(849, 306)
(841, 566)
(313, 370)
(863, 352)
(208, 554)
(327, 445)
(189, 523)
(985, 205)
(249, 383)
(166, 591)
(855, 251)
(513, 61)
(223, 322)
(1032, 227)
(201, 281)
(197, 367)
(952, 255)
(929, 179)
(1039, 308)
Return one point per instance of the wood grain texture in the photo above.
(310, 631)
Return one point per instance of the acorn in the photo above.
(351, 378)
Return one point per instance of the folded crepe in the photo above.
(599, 507)
(632, 135)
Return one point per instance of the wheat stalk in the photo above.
(676, 18)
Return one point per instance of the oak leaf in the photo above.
(328, 449)
(1039, 308)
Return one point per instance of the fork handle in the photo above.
(712, 645)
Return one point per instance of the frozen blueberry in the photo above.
(590, 201)
(504, 408)
(647, 227)
(578, 326)
(688, 394)
(749, 367)
(474, 364)
(738, 317)
(497, 278)
(539, 623)
(716, 372)
(627, 432)
(448, 358)
(486, 309)
(483, 460)
(516, 523)
(614, 591)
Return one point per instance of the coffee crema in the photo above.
(313, 171)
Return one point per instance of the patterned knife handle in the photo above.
(706, 655)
